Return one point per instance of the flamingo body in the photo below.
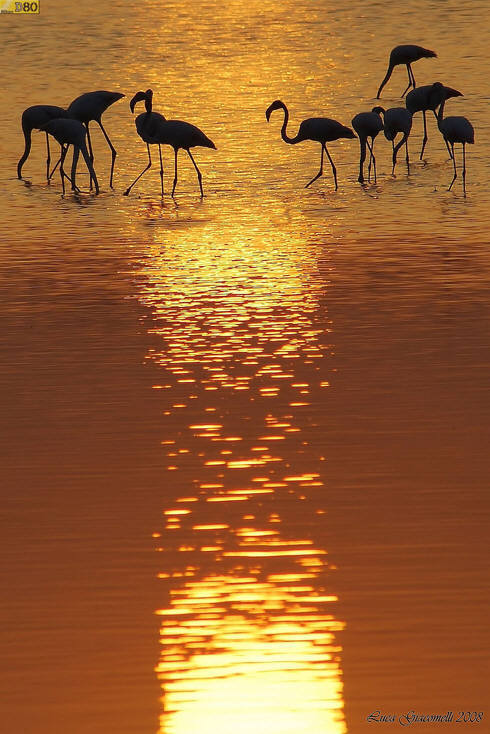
(367, 125)
(154, 129)
(426, 98)
(455, 129)
(405, 54)
(322, 130)
(398, 120)
(34, 118)
(90, 107)
(71, 132)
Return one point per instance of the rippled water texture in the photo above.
(245, 438)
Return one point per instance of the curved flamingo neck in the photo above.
(284, 134)
(440, 113)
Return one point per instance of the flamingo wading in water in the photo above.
(405, 54)
(455, 130)
(397, 120)
(35, 118)
(71, 132)
(155, 129)
(426, 98)
(367, 125)
(320, 129)
(90, 107)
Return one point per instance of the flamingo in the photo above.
(427, 98)
(71, 132)
(405, 54)
(367, 125)
(90, 107)
(397, 120)
(154, 129)
(455, 130)
(34, 118)
(320, 129)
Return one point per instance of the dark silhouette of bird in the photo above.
(455, 130)
(426, 98)
(397, 120)
(90, 107)
(367, 125)
(71, 132)
(405, 54)
(34, 118)
(320, 129)
(155, 129)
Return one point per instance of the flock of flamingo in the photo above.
(70, 126)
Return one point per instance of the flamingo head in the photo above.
(145, 97)
(277, 105)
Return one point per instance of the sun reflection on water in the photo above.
(248, 636)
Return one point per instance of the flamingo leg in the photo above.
(176, 150)
(372, 160)
(362, 158)
(54, 168)
(320, 172)
(48, 159)
(62, 172)
(464, 169)
(407, 159)
(409, 70)
(161, 166)
(113, 152)
(199, 176)
(394, 157)
(76, 153)
(424, 141)
(91, 152)
(334, 170)
(454, 166)
(126, 193)
(93, 176)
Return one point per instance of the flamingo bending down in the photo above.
(71, 132)
(367, 125)
(90, 107)
(405, 54)
(155, 129)
(426, 98)
(397, 120)
(320, 129)
(456, 130)
(35, 118)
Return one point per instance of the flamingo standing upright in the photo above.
(322, 130)
(397, 120)
(455, 130)
(35, 118)
(405, 54)
(367, 125)
(426, 98)
(90, 107)
(155, 129)
(71, 132)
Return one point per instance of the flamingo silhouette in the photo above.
(428, 98)
(90, 107)
(397, 120)
(320, 129)
(455, 130)
(367, 125)
(71, 132)
(35, 118)
(405, 54)
(86, 108)
(154, 129)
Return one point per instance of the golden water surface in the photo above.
(244, 438)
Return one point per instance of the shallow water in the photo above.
(245, 438)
